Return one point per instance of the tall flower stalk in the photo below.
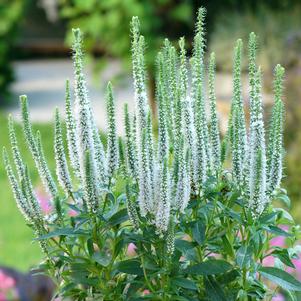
(167, 188)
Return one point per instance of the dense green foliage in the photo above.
(279, 41)
(10, 14)
(104, 23)
(199, 211)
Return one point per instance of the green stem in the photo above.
(145, 275)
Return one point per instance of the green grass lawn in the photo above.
(17, 248)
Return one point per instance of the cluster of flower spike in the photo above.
(187, 150)
(172, 164)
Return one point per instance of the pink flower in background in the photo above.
(44, 201)
(6, 282)
(2, 297)
(297, 263)
(187, 237)
(72, 212)
(278, 297)
(297, 271)
(278, 241)
(145, 292)
(7, 285)
(131, 251)
(268, 261)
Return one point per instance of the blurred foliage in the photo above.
(279, 34)
(105, 24)
(293, 172)
(293, 133)
(10, 15)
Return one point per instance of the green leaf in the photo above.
(183, 245)
(198, 232)
(281, 278)
(103, 258)
(270, 217)
(227, 246)
(118, 247)
(284, 216)
(244, 256)
(174, 298)
(233, 215)
(185, 283)
(277, 231)
(228, 277)
(292, 296)
(119, 217)
(284, 257)
(209, 267)
(62, 232)
(284, 199)
(131, 266)
(90, 246)
(213, 290)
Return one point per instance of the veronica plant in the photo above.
(198, 210)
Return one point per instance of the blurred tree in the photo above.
(10, 15)
(105, 25)
(277, 30)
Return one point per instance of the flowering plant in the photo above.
(7, 287)
(167, 214)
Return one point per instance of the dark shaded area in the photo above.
(31, 286)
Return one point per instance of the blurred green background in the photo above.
(35, 38)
